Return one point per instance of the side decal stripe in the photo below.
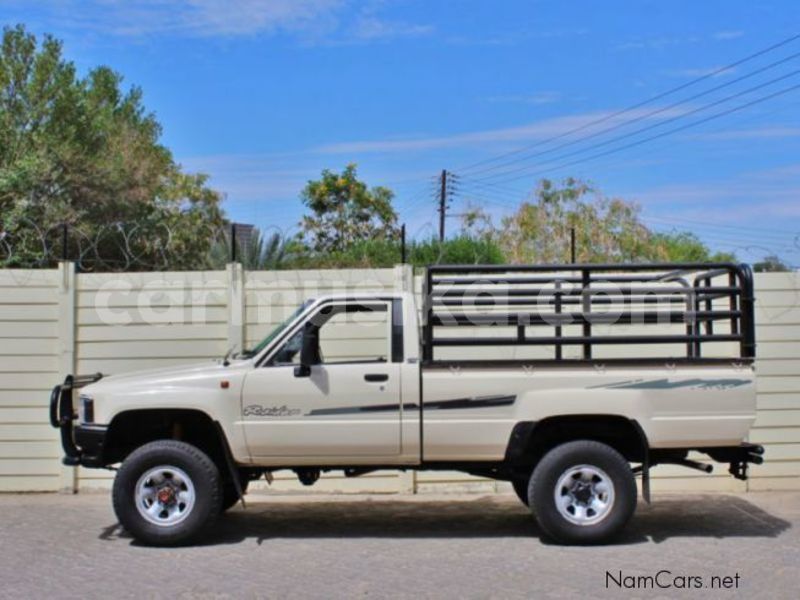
(457, 404)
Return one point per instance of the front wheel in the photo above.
(582, 492)
(166, 492)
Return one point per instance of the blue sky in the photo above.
(264, 94)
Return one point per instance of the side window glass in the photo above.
(356, 336)
(289, 354)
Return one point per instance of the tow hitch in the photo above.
(747, 453)
(739, 458)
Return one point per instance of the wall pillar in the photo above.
(403, 278)
(67, 279)
(236, 306)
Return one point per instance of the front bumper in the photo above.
(82, 444)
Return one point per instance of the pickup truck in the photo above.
(568, 381)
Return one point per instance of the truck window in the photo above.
(289, 354)
(277, 331)
(357, 337)
(348, 334)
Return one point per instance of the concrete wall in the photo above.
(53, 322)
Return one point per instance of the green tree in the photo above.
(82, 151)
(606, 229)
(271, 253)
(771, 264)
(462, 249)
(369, 253)
(682, 246)
(345, 211)
(383, 253)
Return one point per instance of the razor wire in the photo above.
(147, 246)
(113, 247)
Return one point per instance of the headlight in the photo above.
(85, 409)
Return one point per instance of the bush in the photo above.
(461, 250)
(383, 253)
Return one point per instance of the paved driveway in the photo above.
(397, 546)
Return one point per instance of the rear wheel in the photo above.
(167, 492)
(583, 492)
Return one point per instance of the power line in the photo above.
(626, 162)
(498, 203)
(490, 185)
(633, 107)
(658, 136)
(423, 194)
(641, 130)
(718, 237)
(637, 119)
(501, 201)
(722, 225)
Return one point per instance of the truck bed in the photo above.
(683, 406)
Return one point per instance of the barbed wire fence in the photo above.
(113, 247)
(121, 247)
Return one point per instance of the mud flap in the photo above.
(234, 472)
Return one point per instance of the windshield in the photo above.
(277, 331)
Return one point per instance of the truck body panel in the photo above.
(676, 407)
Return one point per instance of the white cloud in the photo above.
(248, 177)
(791, 170)
(727, 35)
(742, 197)
(657, 42)
(313, 20)
(545, 97)
(371, 28)
(660, 42)
(196, 17)
(514, 37)
(524, 133)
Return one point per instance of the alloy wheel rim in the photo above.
(165, 495)
(584, 495)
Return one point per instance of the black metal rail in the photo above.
(470, 297)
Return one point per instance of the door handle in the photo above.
(376, 377)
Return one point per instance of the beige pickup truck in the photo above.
(569, 381)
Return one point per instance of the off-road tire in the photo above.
(200, 469)
(559, 461)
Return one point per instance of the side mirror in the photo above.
(309, 351)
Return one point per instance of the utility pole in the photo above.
(403, 243)
(572, 244)
(442, 204)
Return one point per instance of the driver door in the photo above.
(347, 406)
